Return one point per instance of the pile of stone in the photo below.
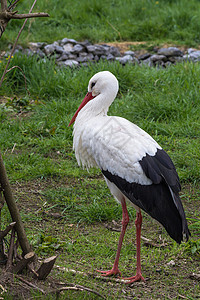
(70, 53)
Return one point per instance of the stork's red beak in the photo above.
(87, 98)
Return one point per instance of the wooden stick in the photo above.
(77, 288)
(8, 228)
(30, 284)
(2, 254)
(10, 252)
(6, 15)
(14, 46)
(46, 267)
(13, 5)
(29, 257)
(4, 183)
(13, 15)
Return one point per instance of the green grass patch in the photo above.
(65, 209)
(161, 21)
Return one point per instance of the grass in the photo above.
(70, 212)
(155, 21)
(66, 209)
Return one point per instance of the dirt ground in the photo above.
(22, 286)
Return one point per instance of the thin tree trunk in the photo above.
(2, 255)
(4, 183)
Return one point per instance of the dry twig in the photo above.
(30, 284)
(4, 8)
(6, 15)
(77, 287)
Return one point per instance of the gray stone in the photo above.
(96, 49)
(144, 56)
(33, 46)
(175, 59)
(124, 59)
(40, 53)
(85, 57)
(135, 61)
(110, 57)
(72, 56)
(29, 52)
(96, 58)
(156, 57)
(59, 49)
(68, 47)
(85, 43)
(49, 49)
(190, 50)
(147, 62)
(132, 53)
(77, 49)
(66, 41)
(171, 51)
(194, 56)
(69, 63)
(63, 57)
(114, 51)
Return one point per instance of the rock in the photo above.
(59, 49)
(175, 59)
(132, 53)
(96, 49)
(110, 57)
(49, 49)
(124, 59)
(171, 51)
(144, 56)
(69, 52)
(40, 53)
(77, 49)
(68, 47)
(33, 46)
(194, 56)
(154, 58)
(63, 57)
(190, 50)
(147, 62)
(85, 43)
(68, 63)
(114, 51)
(66, 41)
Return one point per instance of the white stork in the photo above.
(136, 169)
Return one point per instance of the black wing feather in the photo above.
(160, 199)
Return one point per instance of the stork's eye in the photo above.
(93, 84)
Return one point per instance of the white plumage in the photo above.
(135, 167)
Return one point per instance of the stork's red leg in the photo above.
(125, 220)
(138, 276)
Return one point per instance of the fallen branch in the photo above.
(3, 289)
(30, 284)
(88, 274)
(77, 287)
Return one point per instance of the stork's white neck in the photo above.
(96, 107)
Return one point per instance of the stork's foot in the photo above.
(135, 278)
(113, 271)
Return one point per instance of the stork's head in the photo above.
(102, 90)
